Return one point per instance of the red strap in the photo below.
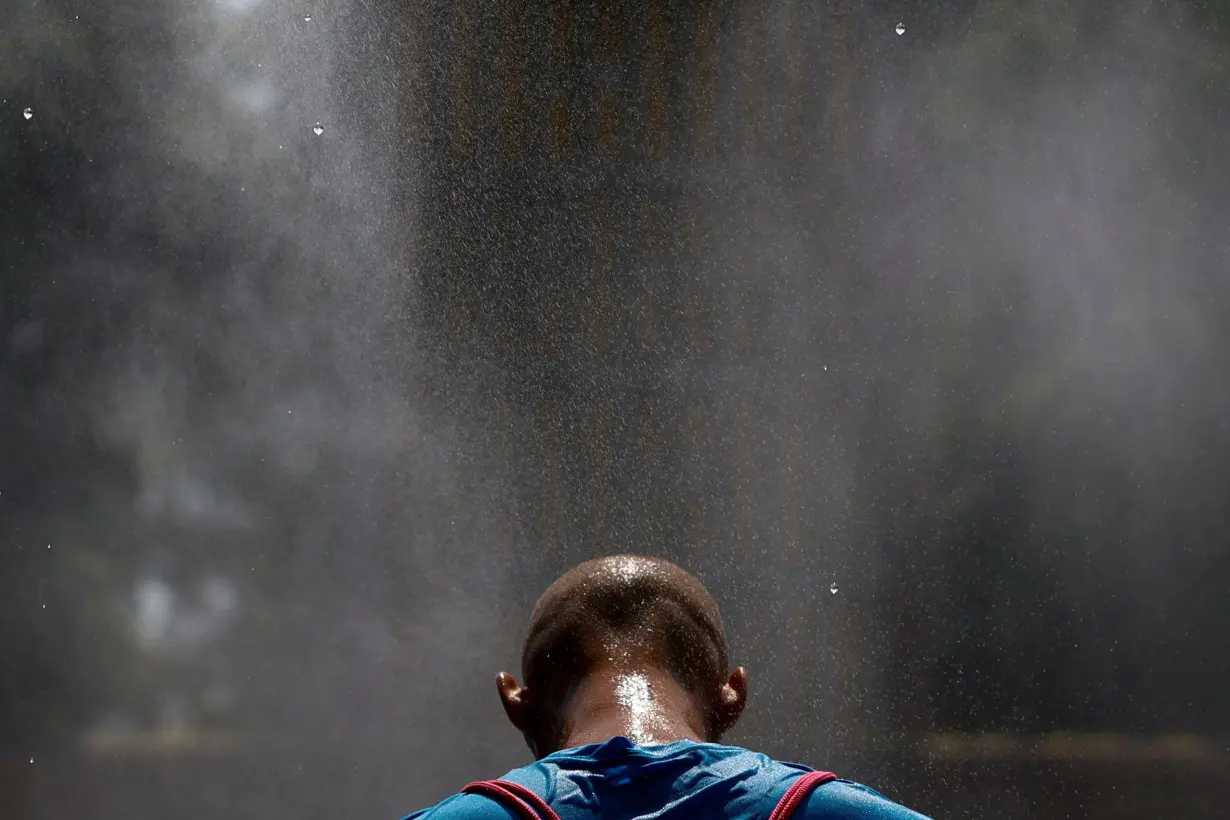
(532, 807)
(798, 792)
(514, 796)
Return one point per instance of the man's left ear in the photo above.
(516, 704)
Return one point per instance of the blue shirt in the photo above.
(676, 781)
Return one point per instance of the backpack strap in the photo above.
(532, 807)
(513, 796)
(798, 792)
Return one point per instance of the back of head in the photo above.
(619, 610)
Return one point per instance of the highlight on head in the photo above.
(622, 608)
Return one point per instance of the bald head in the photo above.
(628, 605)
(623, 610)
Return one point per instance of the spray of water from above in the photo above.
(312, 417)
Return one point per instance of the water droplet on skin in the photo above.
(833, 587)
(28, 113)
(307, 19)
(318, 129)
(900, 29)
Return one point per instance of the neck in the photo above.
(642, 702)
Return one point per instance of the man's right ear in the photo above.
(732, 697)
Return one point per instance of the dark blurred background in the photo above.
(330, 333)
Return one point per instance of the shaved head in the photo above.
(628, 604)
(623, 609)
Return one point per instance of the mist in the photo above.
(333, 333)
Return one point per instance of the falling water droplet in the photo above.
(28, 113)
(318, 129)
(900, 29)
(31, 760)
(833, 587)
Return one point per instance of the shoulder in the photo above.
(465, 807)
(845, 800)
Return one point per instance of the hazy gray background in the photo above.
(294, 426)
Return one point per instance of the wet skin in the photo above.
(644, 704)
(626, 689)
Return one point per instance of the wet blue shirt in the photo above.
(676, 781)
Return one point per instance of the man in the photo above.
(627, 693)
